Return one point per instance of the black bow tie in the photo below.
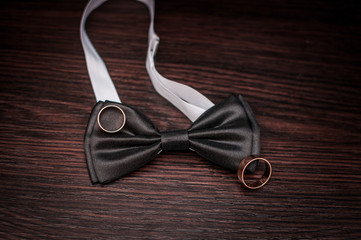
(225, 134)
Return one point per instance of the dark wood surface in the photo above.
(298, 64)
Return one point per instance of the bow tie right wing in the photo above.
(226, 134)
(113, 155)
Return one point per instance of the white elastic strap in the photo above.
(189, 101)
(186, 99)
(102, 84)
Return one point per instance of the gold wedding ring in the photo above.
(260, 182)
(111, 130)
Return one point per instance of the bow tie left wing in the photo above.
(113, 155)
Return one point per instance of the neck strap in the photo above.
(102, 84)
(189, 101)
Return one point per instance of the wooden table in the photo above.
(298, 64)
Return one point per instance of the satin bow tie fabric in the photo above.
(225, 134)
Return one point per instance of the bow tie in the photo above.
(119, 139)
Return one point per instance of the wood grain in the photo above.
(297, 63)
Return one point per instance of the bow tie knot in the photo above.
(176, 140)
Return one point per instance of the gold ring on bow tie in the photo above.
(260, 182)
(117, 129)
